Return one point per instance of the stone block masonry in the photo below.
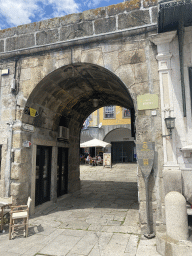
(60, 63)
(115, 18)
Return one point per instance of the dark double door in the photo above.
(43, 175)
(123, 152)
(62, 171)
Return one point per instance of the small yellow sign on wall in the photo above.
(32, 112)
(147, 101)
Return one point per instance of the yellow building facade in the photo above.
(110, 115)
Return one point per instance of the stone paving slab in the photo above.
(101, 219)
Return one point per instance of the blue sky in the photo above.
(18, 12)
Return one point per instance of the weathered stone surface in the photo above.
(7, 32)
(109, 62)
(132, 57)
(1, 45)
(149, 3)
(94, 14)
(133, 19)
(172, 180)
(76, 30)
(71, 19)
(20, 171)
(7, 101)
(121, 7)
(114, 46)
(105, 25)
(154, 14)
(141, 88)
(141, 72)
(26, 74)
(19, 138)
(93, 56)
(27, 28)
(22, 155)
(27, 87)
(49, 24)
(77, 55)
(19, 189)
(7, 114)
(14, 43)
(37, 74)
(31, 62)
(130, 46)
(126, 74)
(62, 62)
(47, 37)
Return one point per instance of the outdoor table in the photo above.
(3, 212)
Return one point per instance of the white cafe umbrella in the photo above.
(95, 143)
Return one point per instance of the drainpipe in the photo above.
(14, 90)
(8, 160)
(180, 32)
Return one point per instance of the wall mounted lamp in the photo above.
(170, 124)
(95, 103)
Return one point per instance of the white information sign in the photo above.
(107, 159)
(27, 144)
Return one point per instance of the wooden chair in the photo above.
(5, 204)
(19, 213)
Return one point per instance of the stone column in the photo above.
(170, 173)
(166, 90)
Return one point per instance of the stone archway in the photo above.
(118, 134)
(65, 97)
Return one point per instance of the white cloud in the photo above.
(93, 3)
(62, 7)
(18, 12)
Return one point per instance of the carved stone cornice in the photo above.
(163, 38)
(164, 56)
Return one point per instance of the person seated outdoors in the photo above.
(99, 160)
(81, 158)
(89, 159)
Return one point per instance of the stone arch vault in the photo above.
(59, 75)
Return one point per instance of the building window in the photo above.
(126, 113)
(109, 112)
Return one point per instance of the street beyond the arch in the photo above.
(102, 219)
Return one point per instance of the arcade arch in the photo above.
(123, 146)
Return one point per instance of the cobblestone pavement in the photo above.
(99, 220)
